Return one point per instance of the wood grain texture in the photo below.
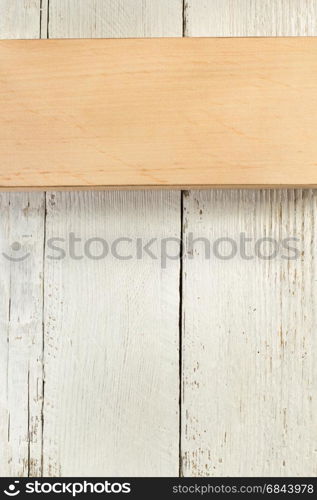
(111, 326)
(164, 112)
(21, 285)
(249, 349)
(249, 354)
(111, 339)
(231, 18)
(115, 18)
(20, 19)
(22, 237)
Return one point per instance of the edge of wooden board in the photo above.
(140, 187)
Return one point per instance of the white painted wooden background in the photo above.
(95, 353)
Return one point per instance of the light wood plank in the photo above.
(249, 349)
(111, 326)
(21, 234)
(167, 112)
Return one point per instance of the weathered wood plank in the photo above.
(249, 354)
(21, 265)
(250, 17)
(21, 275)
(111, 325)
(20, 19)
(115, 18)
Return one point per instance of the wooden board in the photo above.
(21, 334)
(164, 112)
(249, 325)
(111, 339)
(111, 404)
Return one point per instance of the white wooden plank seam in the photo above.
(44, 33)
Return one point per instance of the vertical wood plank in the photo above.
(115, 18)
(111, 326)
(21, 272)
(20, 18)
(250, 17)
(249, 349)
